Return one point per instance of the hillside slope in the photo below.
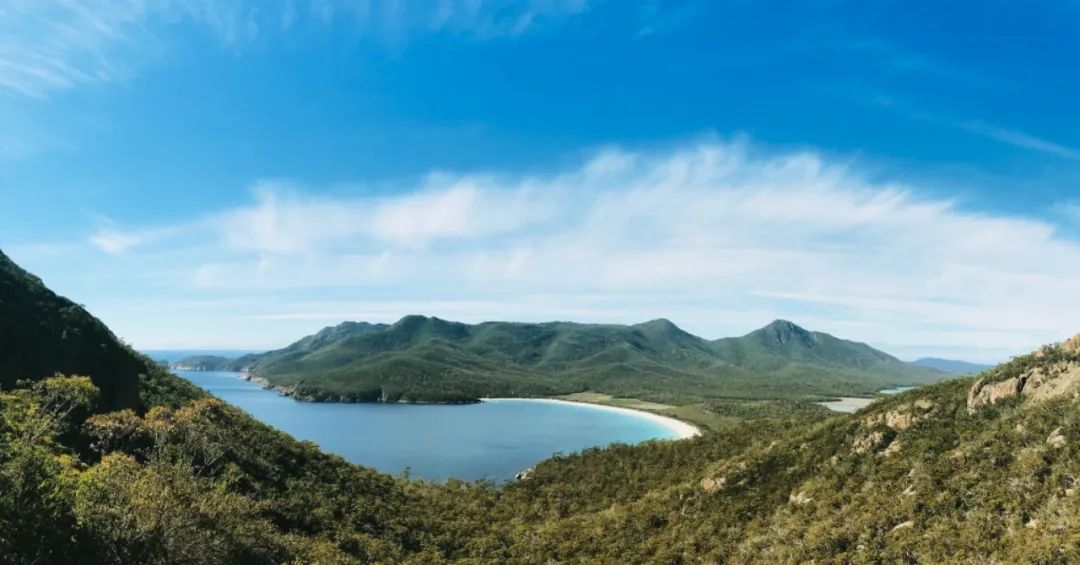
(422, 359)
(978, 470)
(135, 465)
(975, 470)
(44, 334)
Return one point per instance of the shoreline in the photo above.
(681, 429)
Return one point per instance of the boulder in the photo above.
(982, 393)
(868, 442)
(799, 499)
(1056, 439)
(711, 486)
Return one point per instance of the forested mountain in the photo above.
(429, 359)
(44, 334)
(974, 470)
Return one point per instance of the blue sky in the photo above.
(237, 174)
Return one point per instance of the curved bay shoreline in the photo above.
(680, 428)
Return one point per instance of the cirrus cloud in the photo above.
(711, 234)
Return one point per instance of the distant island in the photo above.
(202, 363)
(422, 359)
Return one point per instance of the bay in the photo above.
(492, 440)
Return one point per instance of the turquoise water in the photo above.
(492, 440)
(895, 390)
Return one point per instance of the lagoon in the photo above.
(853, 404)
(492, 440)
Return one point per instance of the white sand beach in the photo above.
(681, 429)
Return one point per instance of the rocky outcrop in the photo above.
(867, 442)
(982, 393)
(1056, 439)
(902, 417)
(1038, 384)
(1057, 380)
(798, 499)
(1072, 345)
(1056, 375)
(712, 486)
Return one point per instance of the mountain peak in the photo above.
(659, 323)
(782, 332)
(786, 327)
(412, 320)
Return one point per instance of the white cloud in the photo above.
(282, 223)
(458, 209)
(52, 45)
(285, 221)
(115, 242)
(714, 235)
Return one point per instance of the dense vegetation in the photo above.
(421, 359)
(943, 473)
(43, 334)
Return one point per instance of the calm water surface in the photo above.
(853, 404)
(491, 440)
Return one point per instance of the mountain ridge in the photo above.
(421, 358)
(976, 469)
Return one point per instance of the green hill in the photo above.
(44, 334)
(422, 359)
(130, 464)
(978, 470)
(973, 470)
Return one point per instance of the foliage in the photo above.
(178, 477)
(420, 359)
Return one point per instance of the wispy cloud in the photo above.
(1001, 134)
(718, 236)
(52, 45)
(1019, 139)
(115, 242)
(112, 240)
(48, 45)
